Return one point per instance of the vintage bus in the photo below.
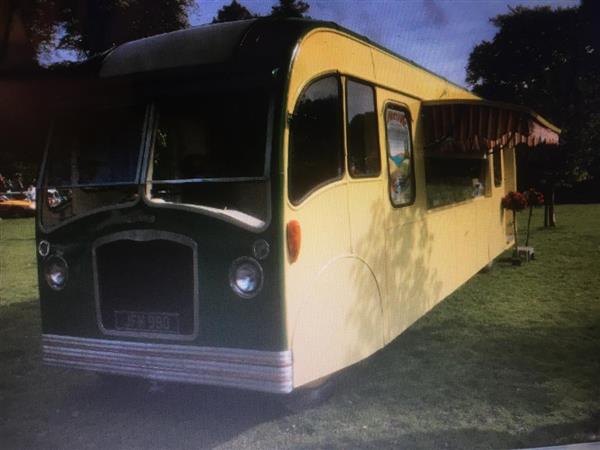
(260, 204)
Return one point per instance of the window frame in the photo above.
(497, 154)
(484, 171)
(153, 120)
(347, 124)
(403, 108)
(342, 165)
(147, 165)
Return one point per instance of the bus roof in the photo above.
(263, 41)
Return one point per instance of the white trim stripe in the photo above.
(247, 369)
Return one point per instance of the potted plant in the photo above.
(515, 202)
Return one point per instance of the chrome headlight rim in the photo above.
(237, 264)
(44, 248)
(261, 249)
(60, 261)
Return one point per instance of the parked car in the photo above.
(16, 204)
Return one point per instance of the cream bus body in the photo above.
(367, 270)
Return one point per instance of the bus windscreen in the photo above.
(213, 136)
(92, 163)
(94, 148)
(209, 153)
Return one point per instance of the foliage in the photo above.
(39, 18)
(233, 11)
(529, 61)
(548, 60)
(533, 197)
(92, 26)
(290, 8)
(285, 8)
(514, 201)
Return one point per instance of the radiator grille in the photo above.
(146, 287)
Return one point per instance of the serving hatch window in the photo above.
(454, 177)
(210, 152)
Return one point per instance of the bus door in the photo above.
(402, 206)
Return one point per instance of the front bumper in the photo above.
(247, 369)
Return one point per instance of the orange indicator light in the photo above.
(294, 239)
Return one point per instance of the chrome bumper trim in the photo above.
(247, 369)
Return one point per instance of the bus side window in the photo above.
(363, 145)
(316, 153)
(400, 156)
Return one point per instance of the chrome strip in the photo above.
(257, 370)
(141, 236)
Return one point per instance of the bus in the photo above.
(260, 204)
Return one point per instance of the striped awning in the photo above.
(480, 125)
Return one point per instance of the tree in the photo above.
(290, 8)
(24, 27)
(84, 26)
(89, 27)
(548, 60)
(93, 26)
(233, 11)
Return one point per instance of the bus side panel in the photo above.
(339, 323)
(442, 248)
(415, 81)
(413, 284)
(332, 297)
(334, 313)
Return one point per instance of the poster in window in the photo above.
(399, 155)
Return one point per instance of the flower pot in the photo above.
(525, 253)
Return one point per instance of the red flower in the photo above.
(514, 201)
(534, 198)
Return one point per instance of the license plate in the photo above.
(148, 322)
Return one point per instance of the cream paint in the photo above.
(366, 270)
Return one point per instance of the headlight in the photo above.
(57, 272)
(246, 277)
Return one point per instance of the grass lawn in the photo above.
(511, 359)
(18, 281)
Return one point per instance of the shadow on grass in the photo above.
(44, 407)
(474, 438)
(175, 416)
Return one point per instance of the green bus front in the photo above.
(159, 232)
